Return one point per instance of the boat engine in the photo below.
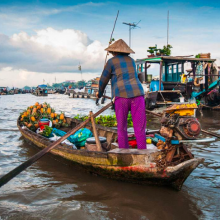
(180, 122)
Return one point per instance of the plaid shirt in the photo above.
(124, 79)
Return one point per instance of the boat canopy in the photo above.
(171, 67)
(171, 59)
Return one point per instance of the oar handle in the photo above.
(153, 113)
(7, 177)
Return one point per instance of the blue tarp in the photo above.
(212, 86)
(42, 86)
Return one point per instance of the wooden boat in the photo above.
(40, 92)
(131, 165)
(173, 86)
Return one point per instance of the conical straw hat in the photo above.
(119, 46)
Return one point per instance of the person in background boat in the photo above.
(141, 74)
(128, 93)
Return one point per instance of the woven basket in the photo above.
(205, 55)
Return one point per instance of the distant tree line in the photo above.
(73, 85)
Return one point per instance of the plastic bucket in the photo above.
(181, 99)
(154, 85)
(44, 122)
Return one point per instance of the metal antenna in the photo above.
(132, 26)
(167, 27)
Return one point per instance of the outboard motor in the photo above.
(179, 120)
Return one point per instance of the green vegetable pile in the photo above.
(47, 131)
(105, 120)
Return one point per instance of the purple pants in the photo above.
(137, 107)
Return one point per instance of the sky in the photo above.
(41, 41)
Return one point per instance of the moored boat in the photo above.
(181, 79)
(41, 90)
(132, 165)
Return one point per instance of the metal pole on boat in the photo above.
(167, 27)
(161, 69)
(110, 41)
(129, 36)
(13, 173)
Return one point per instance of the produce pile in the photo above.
(32, 115)
(105, 120)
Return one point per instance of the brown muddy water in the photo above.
(53, 188)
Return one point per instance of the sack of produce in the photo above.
(79, 138)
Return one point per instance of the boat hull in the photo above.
(40, 94)
(136, 168)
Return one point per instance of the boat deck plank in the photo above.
(151, 149)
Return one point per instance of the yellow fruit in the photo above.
(62, 116)
(33, 118)
(55, 115)
(36, 125)
(34, 110)
(56, 120)
(64, 120)
(29, 125)
(42, 110)
(44, 105)
(52, 115)
(31, 106)
(36, 103)
(49, 110)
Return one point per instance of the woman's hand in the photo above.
(97, 95)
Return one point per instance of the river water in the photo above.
(53, 188)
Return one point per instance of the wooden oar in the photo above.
(7, 177)
(203, 131)
(210, 133)
(153, 113)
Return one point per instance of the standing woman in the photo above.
(128, 93)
